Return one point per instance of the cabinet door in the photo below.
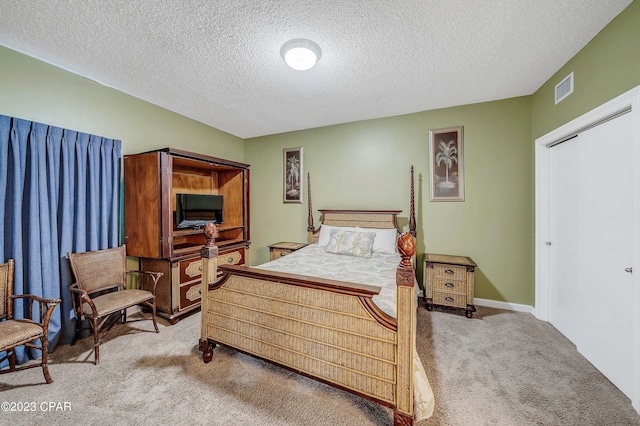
(166, 213)
(142, 205)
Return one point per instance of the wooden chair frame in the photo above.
(23, 332)
(99, 275)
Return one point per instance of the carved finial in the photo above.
(210, 231)
(407, 248)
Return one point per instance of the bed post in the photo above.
(310, 227)
(405, 280)
(412, 212)
(406, 313)
(209, 255)
(406, 320)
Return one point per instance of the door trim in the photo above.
(627, 101)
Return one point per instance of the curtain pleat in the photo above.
(59, 192)
(67, 220)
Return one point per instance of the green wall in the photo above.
(605, 68)
(366, 165)
(36, 91)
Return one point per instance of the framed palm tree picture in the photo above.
(293, 175)
(446, 163)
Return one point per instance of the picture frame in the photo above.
(292, 179)
(446, 161)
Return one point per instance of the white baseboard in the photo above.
(504, 305)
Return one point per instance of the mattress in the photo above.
(378, 270)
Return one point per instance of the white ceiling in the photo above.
(219, 62)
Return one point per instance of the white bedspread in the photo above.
(314, 261)
(379, 270)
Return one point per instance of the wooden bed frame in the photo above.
(328, 330)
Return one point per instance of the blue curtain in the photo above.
(59, 193)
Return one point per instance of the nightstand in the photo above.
(448, 281)
(284, 248)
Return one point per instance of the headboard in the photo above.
(381, 219)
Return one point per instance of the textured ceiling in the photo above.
(219, 62)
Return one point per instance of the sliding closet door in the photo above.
(591, 232)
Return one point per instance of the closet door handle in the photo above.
(629, 270)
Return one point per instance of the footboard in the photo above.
(321, 331)
(328, 330)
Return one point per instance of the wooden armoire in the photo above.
(151, 182)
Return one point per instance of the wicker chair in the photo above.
(100, 291)
(18, 332)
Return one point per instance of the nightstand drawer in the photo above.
(277, 253)
(453, 272)
(283, 248)
(450, 299)
(449, 285)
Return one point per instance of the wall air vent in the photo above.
(564, 88)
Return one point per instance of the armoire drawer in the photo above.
(231, 257)
(190, 294)
(190, 270)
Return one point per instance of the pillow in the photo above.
(351, 243)
(325, 233)
(385, 241)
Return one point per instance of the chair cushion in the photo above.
(116, 301)
(13, 332)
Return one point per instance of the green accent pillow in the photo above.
(351, 243)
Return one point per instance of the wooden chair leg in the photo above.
(78, 329)
(153, 316)
(96, 341)
(45, 360)
(12, 360)
(45, 371)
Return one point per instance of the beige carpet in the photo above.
(508, 368)
(500, 368)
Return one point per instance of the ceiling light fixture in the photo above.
(300, 54)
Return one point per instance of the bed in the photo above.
(328, 311)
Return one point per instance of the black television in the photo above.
(196, 210)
